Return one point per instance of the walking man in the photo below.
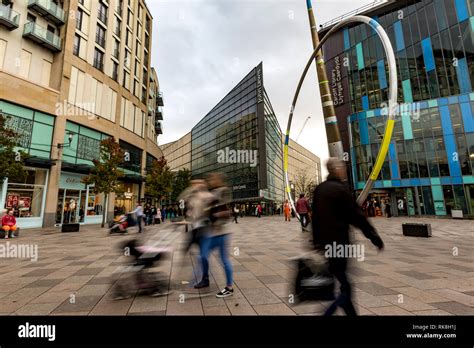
(303, 208)
(334, 209)
(139, 215)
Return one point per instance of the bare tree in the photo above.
(304, 183)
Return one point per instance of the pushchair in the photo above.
(314, 281)
(139, 274)
(121, 224)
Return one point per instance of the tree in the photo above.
(106, 173)
(11, 161)
(159, 179)
(304, 183)
(181, 181)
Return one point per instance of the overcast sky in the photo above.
(202, 48)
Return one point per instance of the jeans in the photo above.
(338, 268)
(304, 219)
(207, 244)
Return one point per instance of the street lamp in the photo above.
(63, 145)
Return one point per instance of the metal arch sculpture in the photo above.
(392, 105)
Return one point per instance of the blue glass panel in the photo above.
(463, 76)
(415, 182)
(452, 153)
(360, 56)
(399, 41)
(443, 101)
(456, 180)
(381, 73)
(446, 120)
(407, 95)
(347, 44)
(396, 183)
(377, 112)
(423, 105)
(365, 102)
(406, 182)
(378, 184)
(453, 100)
(445, 180)
(364, 132)
(424, 182)
(407, 129)
(428, 57)
(467, 117)
(464, 98)
(461, 10)
(392, 154)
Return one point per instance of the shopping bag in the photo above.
(314, 281)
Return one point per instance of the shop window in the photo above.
(27, 197)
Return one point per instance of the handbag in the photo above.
(314, 281)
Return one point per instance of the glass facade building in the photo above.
(241, 137)
(430, 166)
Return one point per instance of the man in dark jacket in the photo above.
(334, 209)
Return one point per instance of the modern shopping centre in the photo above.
(429, 168)
(241, 137)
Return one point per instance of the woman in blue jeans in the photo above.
(217, 235)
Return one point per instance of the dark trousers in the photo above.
(304, 219)
(139, 223)
(338, 268)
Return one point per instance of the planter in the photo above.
(457, 214)
(416, 230)
(66, 228)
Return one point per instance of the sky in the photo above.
(203, 48)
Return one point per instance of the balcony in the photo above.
(159, 99)
(159, 113)
(9, 18)
(158, 127)
(48, 9)
(42, 36)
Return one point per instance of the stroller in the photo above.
(314, 281)
(139, 274)
(121, 224)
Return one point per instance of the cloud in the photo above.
(202, 48)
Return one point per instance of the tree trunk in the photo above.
(105, 209)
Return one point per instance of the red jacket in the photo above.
(8, 220)
(302, 206)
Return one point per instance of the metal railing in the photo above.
(31, 28)
(8, 14)
(50, 7)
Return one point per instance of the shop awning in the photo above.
(39, 162)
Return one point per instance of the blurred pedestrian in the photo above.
(287, 210)
(236, 213)
(139, 216)
(259, 210)
(334, 209)
(303, 209)
(219, 235)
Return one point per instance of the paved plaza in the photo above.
(413, 276)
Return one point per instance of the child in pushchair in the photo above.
(138, 275)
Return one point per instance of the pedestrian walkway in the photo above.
(413, 276)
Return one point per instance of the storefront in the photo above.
(27, 197)
(126, 201)
(77, 203)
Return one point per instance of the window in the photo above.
(129, 18)
(127, 59)
(77, 45)
(137, 68)
(139, 15)
(100, 36)
(30, 18)
(118, 27)
(127, 39)
(115, 67)
(99, 59)
(119, 7)
(79, 18)
(102, 13)
(26, 197)
(126, 80)
(116, 51)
